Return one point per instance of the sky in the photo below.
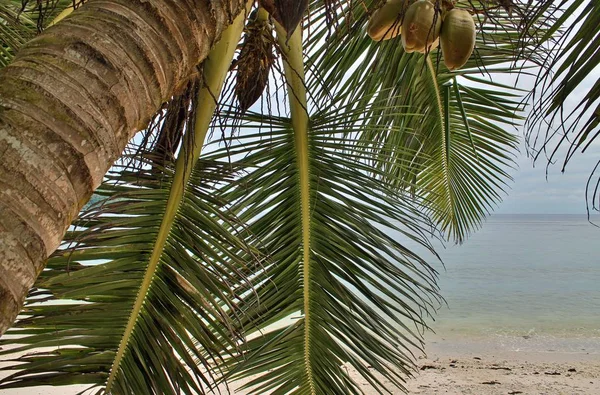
(534, 192)
(558, 193)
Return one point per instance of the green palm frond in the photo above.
(181, 328)
(16, 29)
(340, 269)
(462, 167)
(369, 292)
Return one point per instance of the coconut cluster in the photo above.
(423, 27)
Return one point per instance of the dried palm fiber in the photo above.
(331, 13)
(255, 60)
(508, 5)
(287, 12)
(169, 125)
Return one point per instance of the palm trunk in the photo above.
(70, 102)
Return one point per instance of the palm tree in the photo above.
(107, 102)
(302, 211)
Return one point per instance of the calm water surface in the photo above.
(528, 281)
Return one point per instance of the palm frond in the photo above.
(340, 274)
(15, 29)
(22, 20)
(180, 328)
(462, 167)
(369, 291)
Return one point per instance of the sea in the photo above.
(523, 283)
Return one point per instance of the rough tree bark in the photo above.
(69, 103)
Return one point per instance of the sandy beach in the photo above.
(457, 366)
(525, 374)
(508, 373)
(480, 369)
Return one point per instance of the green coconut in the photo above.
(421, 26)
(386, 22)
(457, 38)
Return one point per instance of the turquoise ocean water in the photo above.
(525, 283)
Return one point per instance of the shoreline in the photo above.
(540, 348)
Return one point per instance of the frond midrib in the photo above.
(294, 75)
(440, 122)
(215, 71)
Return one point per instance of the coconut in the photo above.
(421, 26)
(457, 38)
(386, 22)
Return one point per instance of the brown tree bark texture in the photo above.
(70, 102)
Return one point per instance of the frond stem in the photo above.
(216, 67)
(445, 133)
(294, 75)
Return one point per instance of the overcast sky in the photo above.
(561, 193)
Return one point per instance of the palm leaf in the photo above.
(15, 29)
(462, 167)
(22, 20)
(103, 276)
(338, 265)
